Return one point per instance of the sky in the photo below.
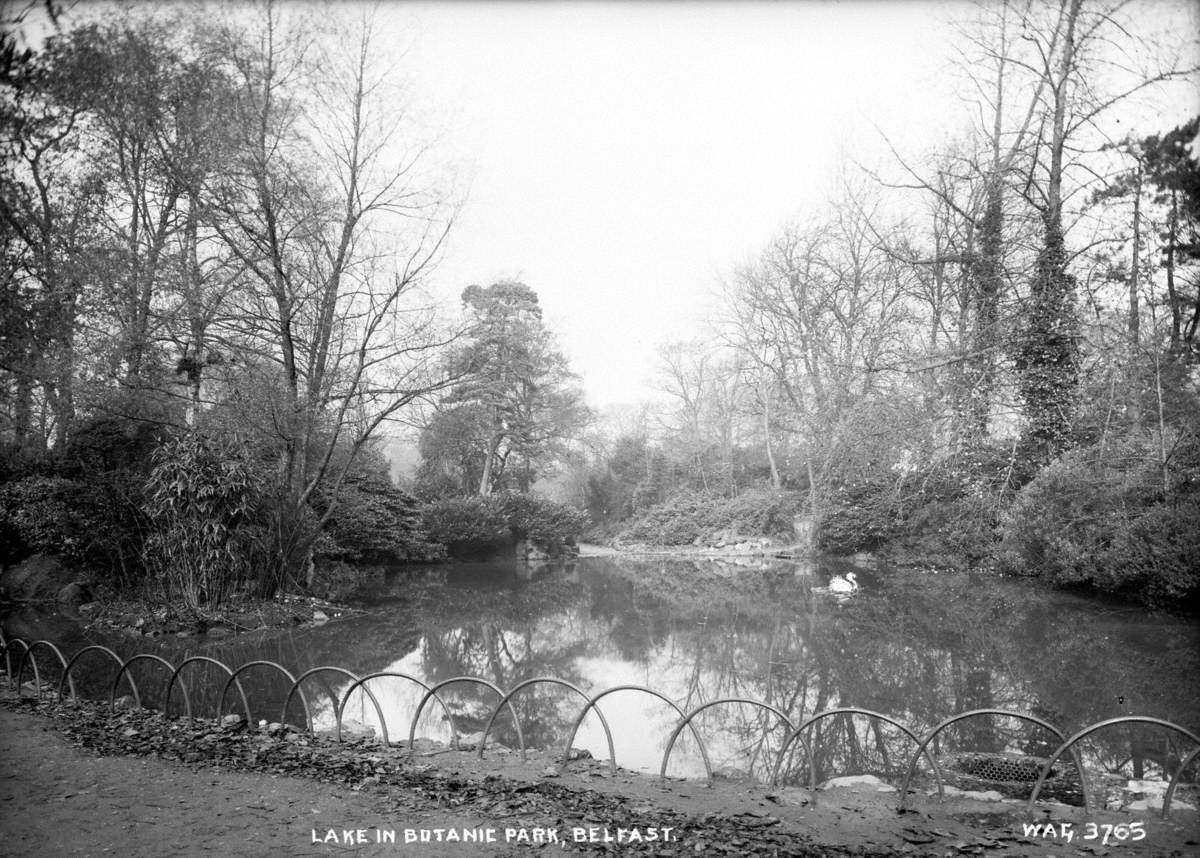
(624, 157)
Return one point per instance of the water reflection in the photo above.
(916, 647)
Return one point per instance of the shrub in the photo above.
(946, 510)
(548, 523)
(376, 523)
(479, 525)
(201, 499)
(97, 523)
(861, 516)
(1106, 519)
(688, 517)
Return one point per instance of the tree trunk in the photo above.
(776, 482)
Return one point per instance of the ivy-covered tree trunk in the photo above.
(1047, 357)
(987, 283)
(1047, 354)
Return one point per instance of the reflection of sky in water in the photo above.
(918, 650)
(916, 647)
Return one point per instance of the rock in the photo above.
(853, 781)
(976, 795)
(37, 579)
(75, 593)
(353, 730)
(470, 741)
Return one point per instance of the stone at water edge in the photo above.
(857, 781)
(75, 593)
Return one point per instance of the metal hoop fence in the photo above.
(338, 703)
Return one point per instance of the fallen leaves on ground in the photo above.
(276, 749)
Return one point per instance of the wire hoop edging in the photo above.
(1187, 761)
(662, 773)
(188, 703)
(924, 744)
(432, 692)
(591, 704)
(341, 706)
(1087, 731)
(8, 663)
(844, 710)
(124, 671)
(246, 666)
(553, 680)
(76, 657)
(28, 654)
(332, 696)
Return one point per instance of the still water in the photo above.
(917, 647)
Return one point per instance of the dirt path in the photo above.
(59, 799)
(56, 799)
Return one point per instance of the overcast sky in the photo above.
(624, 155)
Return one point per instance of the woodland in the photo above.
(220, 227)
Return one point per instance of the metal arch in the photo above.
(1087, 731)
(332, 696)
(8, 662)
(188, 703)
(1187, 761)
(554, 681)
(76, 657)
(924, 744)
(29, 654)
(595, 698)
(662, 774)
(137, 698)
(433, 692)
(249, 664)
(844, 710)
(341, 707)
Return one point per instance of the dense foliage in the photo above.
(481, 526)
(694, 518)
(1119, 519)
(206, 530)
(214, 231)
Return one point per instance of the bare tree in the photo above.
(327, 212)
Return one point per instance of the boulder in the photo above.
(38, 578)
(75, 593)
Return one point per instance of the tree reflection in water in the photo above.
(917, 647)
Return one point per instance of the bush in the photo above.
(375, 523)
(94, 524)
(202, 498)
(690, 517)
(1106, 519)
(479, 525)
(550, 524)
(861, 517)
(945, 512)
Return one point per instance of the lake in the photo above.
(918, 647)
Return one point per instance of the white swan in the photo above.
(843, 585)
